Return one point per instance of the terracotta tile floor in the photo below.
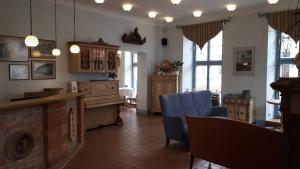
(138, 144)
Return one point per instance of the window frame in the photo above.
(208, 63)
(280, 61)
(133, 65)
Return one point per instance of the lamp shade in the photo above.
(169, 19)
(272, 1)
(127, 7)
(175, 2)
(152, 14)
(231, 7)
(74, 49)
(56, 52)
(31, 41)
(99, 1)
(197, 13)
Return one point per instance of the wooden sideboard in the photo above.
(94, 57)
(240, 109)
(290, 108)
(102, 102)
(162, 84)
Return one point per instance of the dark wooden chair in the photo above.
(234, 144)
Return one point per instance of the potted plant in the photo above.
(176, 66)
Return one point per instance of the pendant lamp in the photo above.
(31, 40)
(74, 48)
(55, 51)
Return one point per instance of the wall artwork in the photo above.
(43, 50)
(244, 61)
(43, 69)
(18, 72)
(13, 49)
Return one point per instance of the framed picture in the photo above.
(43, 50)
(244, 61)
(13, 49)
(18, 72)
(43, 69)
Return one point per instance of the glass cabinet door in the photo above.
(85, 59)
(111, 60)
(99, 59)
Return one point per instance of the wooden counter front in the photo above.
(8, 105)
(56, 125)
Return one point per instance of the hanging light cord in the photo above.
(74, 22)
(55, 24)
(30, 18)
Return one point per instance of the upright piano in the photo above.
(102, 102)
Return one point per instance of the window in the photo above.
(286, 50)
(134, 72)
(131, 70)
(207, 65)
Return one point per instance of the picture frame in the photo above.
(13, 49)
(43, 69)
(18, 71)
(43, 50)
(244, 61)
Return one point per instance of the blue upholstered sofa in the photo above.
(175, 107)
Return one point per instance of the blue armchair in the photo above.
(175, 107)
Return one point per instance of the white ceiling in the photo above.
(179, 12)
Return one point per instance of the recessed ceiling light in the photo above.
(175, 2)
(273, 1)
(99, 1)
(169, 19)
(152, 14)
(197, 13)
(127, 6)
(231, 7)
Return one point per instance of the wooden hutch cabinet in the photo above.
(240, 109)
(162, 84)
(94, 57)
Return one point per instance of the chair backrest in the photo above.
(188, 105)
(171, 106)
(234, 144)
(202, 102)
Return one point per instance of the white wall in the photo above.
(187, 68)
(246, 31)
(91, 25)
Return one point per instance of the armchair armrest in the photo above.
(175, 128)
(174, 123)
(219, 111)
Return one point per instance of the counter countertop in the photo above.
(8, 105)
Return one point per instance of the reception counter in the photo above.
(41, 133)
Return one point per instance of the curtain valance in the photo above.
(287, 22)
(203, 32)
